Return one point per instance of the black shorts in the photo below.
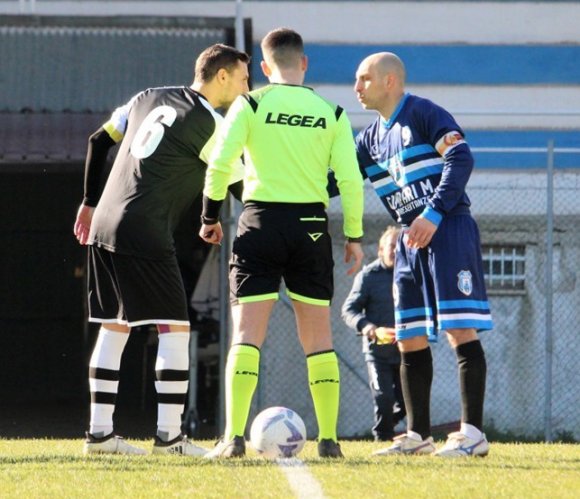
(134, 291)
(282, 241)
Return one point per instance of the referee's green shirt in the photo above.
(290, 136)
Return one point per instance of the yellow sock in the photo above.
(242, 369)
(324, 381)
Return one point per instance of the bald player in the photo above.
(289, 136)
(417, 158)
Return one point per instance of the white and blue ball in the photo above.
(278, 432)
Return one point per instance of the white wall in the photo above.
(360, 22)
(392, 22)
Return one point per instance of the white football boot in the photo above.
(460, 445)
(236, 447)
(111, 444)
(179, 445)
(404, 444)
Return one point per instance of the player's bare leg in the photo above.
(250, 322)
(313, 326)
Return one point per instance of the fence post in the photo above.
(239, 27)
(224, 316)
(549, 293)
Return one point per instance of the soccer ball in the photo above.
(278, 432)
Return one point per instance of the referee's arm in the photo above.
(348, 178)
(228, 150)
(225, 155)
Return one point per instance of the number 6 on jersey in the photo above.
(151, 131)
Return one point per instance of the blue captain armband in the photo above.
(432, 215)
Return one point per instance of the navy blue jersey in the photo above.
(418, 161)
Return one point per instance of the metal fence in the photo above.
(530, 230)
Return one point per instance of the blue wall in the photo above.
(468, 65)
(448, 64)
(528, 139)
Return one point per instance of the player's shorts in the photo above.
(135, 291)
(278, 241)
(442, 286)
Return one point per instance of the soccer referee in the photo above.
(289, 136)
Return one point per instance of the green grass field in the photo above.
(57, 468)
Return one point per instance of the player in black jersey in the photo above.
(167, 134)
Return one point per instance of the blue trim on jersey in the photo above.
(461, 304)
(432, 215)
(389, 123)
(423, 172)
(416, 331)
(419, 174)
(480, 325)
(385, 190)
(411, 152)
(413, 312)
(375, 169)
(404, 156)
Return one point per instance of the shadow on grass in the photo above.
(143, 463)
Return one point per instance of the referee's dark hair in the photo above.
(216, 57)
(283, 47)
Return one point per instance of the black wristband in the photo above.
(354, 239)
(210, 211)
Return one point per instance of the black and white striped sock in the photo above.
(104, 379)
(172, 371)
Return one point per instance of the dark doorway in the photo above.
(43, 335)
(45, 340)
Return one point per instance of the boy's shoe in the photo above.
(178, 445)
(111, 444)
(404, 444)
(329, 448)
(236, 447)
(460, 445)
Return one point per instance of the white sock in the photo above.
(470, 431)
(104, 379)
(172, 372)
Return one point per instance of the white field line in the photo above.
(301, 481)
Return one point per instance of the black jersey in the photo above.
(167, 134)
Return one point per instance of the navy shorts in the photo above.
(442, 286)
(135, 291)
(278, 241)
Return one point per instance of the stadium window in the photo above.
(504, 268)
